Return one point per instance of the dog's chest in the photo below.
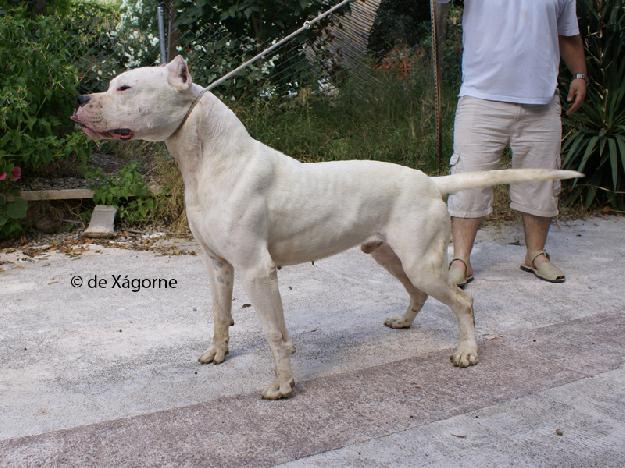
(208, 228)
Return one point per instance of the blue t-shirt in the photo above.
(511, 51)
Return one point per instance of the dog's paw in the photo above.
(215, 354)
(290, 347)
(464, 356)
(397, 322)
(279, 390)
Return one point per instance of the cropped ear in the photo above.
(178, 74)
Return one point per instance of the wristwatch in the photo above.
(579, 76)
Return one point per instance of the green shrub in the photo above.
(136, 34)
(37, 95)
(217, 36)
(12, 210)
(95, 46)
(594, 141)
(399, 23)
(127, 190)
(37, 92)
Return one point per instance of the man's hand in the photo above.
(572, 51)
(576, 96)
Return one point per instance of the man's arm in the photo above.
(572, 51)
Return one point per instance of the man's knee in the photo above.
(472, 203)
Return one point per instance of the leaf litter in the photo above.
(74, 246)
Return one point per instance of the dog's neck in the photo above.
(210, 139)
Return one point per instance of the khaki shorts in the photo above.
(483, 129)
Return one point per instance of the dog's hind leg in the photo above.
(288, 342)
(424, 262)
(384, 255)
(261, 283)
(433, 283)
(221, 279)
(461, 304)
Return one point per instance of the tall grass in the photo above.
(375, 114)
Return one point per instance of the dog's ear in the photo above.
(178, 74)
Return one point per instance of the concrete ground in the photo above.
(110, 376)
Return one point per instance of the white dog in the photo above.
(252, 208)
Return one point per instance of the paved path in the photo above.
(110, 377)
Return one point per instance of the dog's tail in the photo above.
(466, 180)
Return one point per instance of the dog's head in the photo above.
(146, 103)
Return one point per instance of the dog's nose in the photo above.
(83, 99)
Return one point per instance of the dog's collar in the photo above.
(189, 111)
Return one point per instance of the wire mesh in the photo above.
(327, 93)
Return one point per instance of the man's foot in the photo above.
(460, 272)
(540, 264)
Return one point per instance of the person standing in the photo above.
(509, 98)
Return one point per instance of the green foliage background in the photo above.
(399, 22)
(37, 92)
(127, 191)
(67, 47)
(49, 56)
(594, 140)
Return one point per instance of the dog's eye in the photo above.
(123, 88)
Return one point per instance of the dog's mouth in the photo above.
(115, 134)
(121, 133)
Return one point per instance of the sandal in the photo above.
(546, 271)
(457, 277)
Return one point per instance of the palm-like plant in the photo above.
(594, 140)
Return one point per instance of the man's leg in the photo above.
(536, 230)
(463, 231)
(536, 145)
(481, 132)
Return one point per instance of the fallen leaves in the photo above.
(74, 245)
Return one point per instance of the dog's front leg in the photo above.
(221, 279)
(261, 284)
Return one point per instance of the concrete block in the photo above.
(102, 222)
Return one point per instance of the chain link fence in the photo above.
(355, 86)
